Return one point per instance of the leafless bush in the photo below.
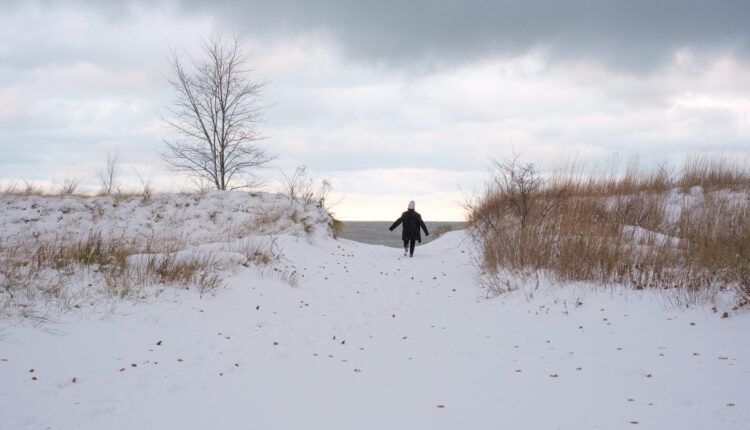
(31, 189)
(147, 189)
(108, 174)
(9, 189)
(615, 230)
(298, 186)
(69, 186)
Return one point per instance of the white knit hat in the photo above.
(411, 204)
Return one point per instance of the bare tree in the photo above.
(214, 115)
(107, 175)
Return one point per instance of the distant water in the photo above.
(376, 232)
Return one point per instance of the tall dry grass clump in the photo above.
(64, 272)
(688, 232)
(44, 270)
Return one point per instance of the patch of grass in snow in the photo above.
(688, 233)
(441, 230)
(63, 273)
(45, 271)
(336, 226)
(56, 256)
(308, 227)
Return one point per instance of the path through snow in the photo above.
(371, 340)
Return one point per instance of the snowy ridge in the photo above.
(86, 252)
(195, 218)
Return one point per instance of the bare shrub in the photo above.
(69, 186)
(298, 186)
(10, 188)
(31, 189)
(108, 174)
(147, 188)
(614, 230)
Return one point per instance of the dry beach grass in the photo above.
(688, 233)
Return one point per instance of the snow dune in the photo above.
(372, 340)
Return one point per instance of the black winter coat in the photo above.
(412, 222)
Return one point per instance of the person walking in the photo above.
(410, 233)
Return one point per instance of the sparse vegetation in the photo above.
(299, 188)
(336, 226)
(441, 230)
(687, 233)
(31, 189)
(69, 186)
(43, 271)
(47, 264)
(108, 175)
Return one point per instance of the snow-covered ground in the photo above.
(369, 339)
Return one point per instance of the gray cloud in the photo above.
(635, 34)
(632, 34)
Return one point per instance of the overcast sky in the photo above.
(391, 100)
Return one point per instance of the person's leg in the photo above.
(411, 247)
(406, 246)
